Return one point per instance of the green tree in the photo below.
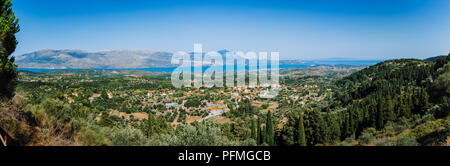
(289, 133)
(104, 95)
(260, 133)
(315, 127)
(269, 135)
(301, 138)
(106, 120)
(8, 28)
(333, 128)
(253, 130)
(149, 125)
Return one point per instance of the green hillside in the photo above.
(395, 95)
(395, 102)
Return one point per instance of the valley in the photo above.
(396, 102)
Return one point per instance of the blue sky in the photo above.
(308, 29)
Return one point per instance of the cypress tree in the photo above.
(380, 118)
(260, 133)
(301, 138)
(423, 100)
(253, 131)
(269, 135)
(333, 128)
(352, 122)
(8, 28)
(149, 125)
(315, 127)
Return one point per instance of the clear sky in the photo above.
(308, 29)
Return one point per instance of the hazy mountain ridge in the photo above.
(125, 59)
(77, 59)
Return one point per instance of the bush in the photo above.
(385, 142)
(264, 106)
(126, 136)
(201, 134)
(192, 102)
(347, 142)
(367, 136)
(91, 137)
(407, 140)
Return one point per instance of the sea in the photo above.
(281, 66)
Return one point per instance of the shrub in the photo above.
(407, 140)
(385, 142)
(91, 137)
(264, 106)
(126, 136)
(201, 134)
(366, 137)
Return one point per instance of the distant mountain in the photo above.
(77, 59)
(131, 59)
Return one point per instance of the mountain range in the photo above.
(125, 59)
(77, 59)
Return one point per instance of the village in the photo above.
(131, 98)
(198, 104)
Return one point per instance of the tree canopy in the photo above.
(8, 28)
